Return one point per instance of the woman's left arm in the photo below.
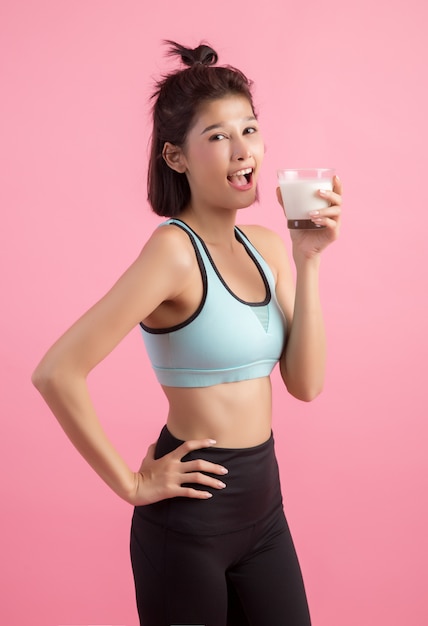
(302, 363)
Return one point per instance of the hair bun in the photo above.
(202, 55)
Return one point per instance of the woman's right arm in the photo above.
(160, 273)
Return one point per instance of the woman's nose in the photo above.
(241, 151)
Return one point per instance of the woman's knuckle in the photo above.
(199, 464)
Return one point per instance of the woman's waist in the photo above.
(235, 415)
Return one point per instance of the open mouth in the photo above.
(241, 178)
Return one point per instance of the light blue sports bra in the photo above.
(226, 339)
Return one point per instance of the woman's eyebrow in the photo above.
(250, 118)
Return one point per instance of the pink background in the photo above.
(337, 84)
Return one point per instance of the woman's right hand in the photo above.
(159, 479)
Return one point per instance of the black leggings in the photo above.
(226, 561)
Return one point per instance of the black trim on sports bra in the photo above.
(239, 236)
(242, 238)
(169, 329)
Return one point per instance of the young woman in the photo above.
(218, 309)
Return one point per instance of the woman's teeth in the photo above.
(242, 177)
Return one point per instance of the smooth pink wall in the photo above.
(337, 84)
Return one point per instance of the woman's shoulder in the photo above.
(170, 240)
(168, 250)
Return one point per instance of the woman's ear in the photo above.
(174, 157)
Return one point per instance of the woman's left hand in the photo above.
(311, 242)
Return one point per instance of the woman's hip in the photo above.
(252, 490)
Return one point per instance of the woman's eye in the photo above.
(217, 137)
(250, 130)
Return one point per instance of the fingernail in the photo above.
(220, 484)
(224, 470)
(207, 494)
(323, 192)
(212, 441)
(314, 213)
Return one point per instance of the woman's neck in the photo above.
(215, 228)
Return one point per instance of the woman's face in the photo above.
(223, 153)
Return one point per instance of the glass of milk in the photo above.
(299, 189)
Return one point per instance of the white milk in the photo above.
(300, 197)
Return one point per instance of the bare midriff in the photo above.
(236, 415)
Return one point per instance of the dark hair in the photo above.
(177, 98)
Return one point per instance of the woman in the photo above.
(218, 309)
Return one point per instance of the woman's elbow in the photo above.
(42, 378)
(307, 394)
(303, 390)
(48, 376)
